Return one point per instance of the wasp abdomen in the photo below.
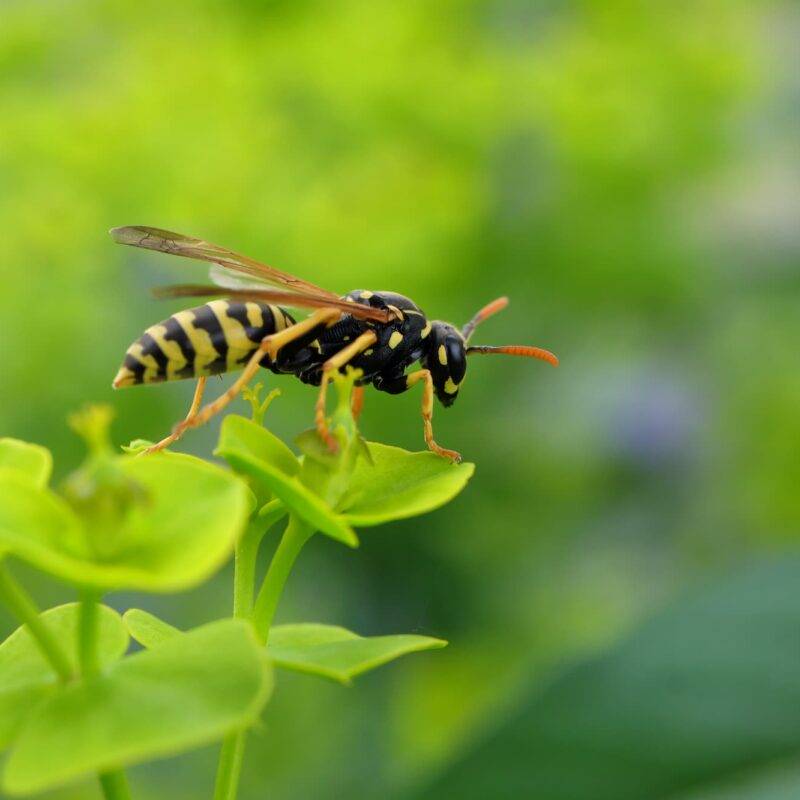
(216, 337)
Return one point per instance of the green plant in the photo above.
(72, 701)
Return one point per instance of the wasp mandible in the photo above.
(379, 333)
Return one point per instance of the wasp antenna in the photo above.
(487, 311)
(517, 350)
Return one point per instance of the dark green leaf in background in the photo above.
(700, 695)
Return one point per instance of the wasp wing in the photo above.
(230, 266)
(291, 299)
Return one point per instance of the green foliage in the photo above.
(186, 693)
(26, 676)
(72, 704)
(29, 460)
(326, 650)
(118, 525)
(336, 653)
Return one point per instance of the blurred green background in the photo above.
(628, 172)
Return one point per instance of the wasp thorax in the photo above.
(446, 360)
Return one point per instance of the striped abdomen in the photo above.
(216, 337)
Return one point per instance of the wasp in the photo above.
(248, 328)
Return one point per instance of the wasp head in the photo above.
(446, 360)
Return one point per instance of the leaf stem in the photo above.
(115, 785)
(23, 607)
(297, 533)
(230, 766)
(231, 754)
(246, 557)
(87, 633)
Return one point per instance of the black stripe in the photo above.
(238, 311)
(150, 347)
(175, 333)
(206, 320)
(135, 366)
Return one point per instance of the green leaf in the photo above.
(148, 629)
(287, 488)
(698, 697)
(26, 676)
(183, 531)
(399, 484)
(339, 654)
(30, 460)
(245, 436)
(189, 691)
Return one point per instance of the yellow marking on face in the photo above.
(442, 355)
(369, 351)
(412, 311)
(150, 374)
(395, 339)
(398, 313)
(205, 353)
(171, 349)
(316, 345)
(450, 386)
(345, 338)
(425, 331)
(365, 295)
(349, 300)
(254, 315)
(239, 344)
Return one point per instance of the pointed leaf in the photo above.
(399, 484)
(336, 653)
(290, 491)
(187, 692)
(26, 676)
(148, 629)
(31, 460)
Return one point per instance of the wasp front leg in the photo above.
(402, 383)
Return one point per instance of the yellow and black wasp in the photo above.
(379, 333)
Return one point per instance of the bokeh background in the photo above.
(619, 581)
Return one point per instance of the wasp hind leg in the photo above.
(174, 436)
(335, 362)
(270, 346)
(357, 402)
(404, 382)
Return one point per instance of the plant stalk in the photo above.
(115, 785)
(23, 607)
(88, 620)
(297, 533)
(294, 537)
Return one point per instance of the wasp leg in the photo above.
(335, 362)
(173, 437)
(269, 346)
(357, 402)
(427, 413)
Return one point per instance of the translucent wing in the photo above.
(291, 299)
(230, 266)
